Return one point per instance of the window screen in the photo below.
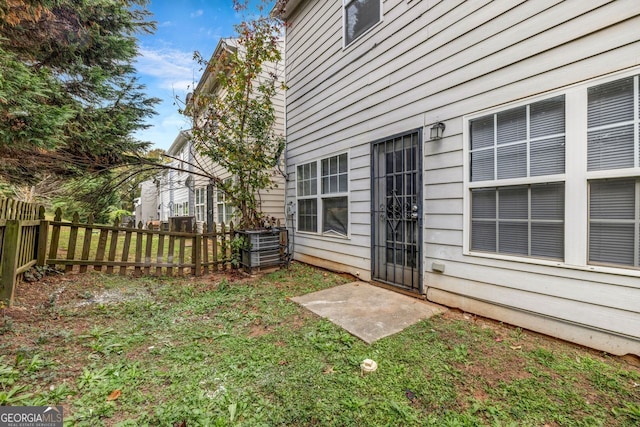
(335, 215)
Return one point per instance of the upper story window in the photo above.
(359, 16)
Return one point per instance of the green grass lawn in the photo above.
(229, 350)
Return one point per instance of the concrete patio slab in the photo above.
(367, 311)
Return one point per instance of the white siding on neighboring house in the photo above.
(271, 201)
(455, 62)
(178, 190)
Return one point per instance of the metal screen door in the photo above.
(397, 211)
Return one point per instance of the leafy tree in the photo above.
(233, 124)
(69, 100)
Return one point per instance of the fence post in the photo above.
(9, 262)
(73, 241)
(55, 237)
(86, 243)
(196, 252)
(43, 237)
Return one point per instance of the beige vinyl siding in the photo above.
(440, 61)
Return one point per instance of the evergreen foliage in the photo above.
(69, 99)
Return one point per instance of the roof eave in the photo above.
(285, 7)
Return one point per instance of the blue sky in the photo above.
(165, 64)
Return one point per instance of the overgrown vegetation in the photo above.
(228, 350)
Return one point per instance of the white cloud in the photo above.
(173, 69)
(168, 73)
(197, 13)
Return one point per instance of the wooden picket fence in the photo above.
(27, 239)
(19, 237)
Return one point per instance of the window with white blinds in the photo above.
(614, 221)
(223, 208)
(613, 141)
(613, 125)
(201, 203)
(559, 178)
(519, 220)
(519, 143)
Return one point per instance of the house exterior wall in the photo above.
(450, 61)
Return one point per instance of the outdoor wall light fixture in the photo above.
(437, 130)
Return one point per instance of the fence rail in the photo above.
(28, 239)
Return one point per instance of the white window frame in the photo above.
(576, 177)
(346, 3)
(201, 203)
(221, 205)
(320, 197)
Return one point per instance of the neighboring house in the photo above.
(183, 190)
(485, 154)
(176, 192)
(188, 193)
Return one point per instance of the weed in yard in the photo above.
(543, 356)
(58, 394)
(90, 378)
(460, 353)
(13, 390)
(631, 411)
(517, 335)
